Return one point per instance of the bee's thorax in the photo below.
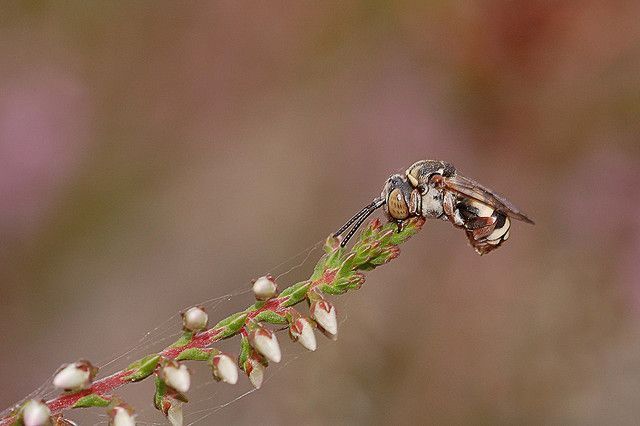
(431, 203)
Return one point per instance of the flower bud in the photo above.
(174, 414)
(332, 243)
(255, 371)
(264, 288)
(75, 377)
(122, 416)
(225, 369)
(325, 315)
(301, 331)
(195, 319)
(266, 343)
(177, 376)
(36, 413)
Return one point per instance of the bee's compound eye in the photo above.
(396, 205)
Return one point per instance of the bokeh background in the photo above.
(157, 154)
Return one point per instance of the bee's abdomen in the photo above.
(501, 231)
(486, 227)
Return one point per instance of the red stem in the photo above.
(105, 386)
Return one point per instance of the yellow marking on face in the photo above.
(412, 179)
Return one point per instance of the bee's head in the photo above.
(397, 195)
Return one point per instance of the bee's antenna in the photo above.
(359, 218)
(353, 219)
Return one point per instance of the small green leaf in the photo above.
(379, 260)
(297, 294)
(334, 260)
(385, 237)
(193, 354)
(161, 390)
(338, 286)
(183, 340)
(411, 228)
(367, 232)
(142, 368)
(366, 267)
(245, 350)
(271, 317)
(229, 319)
(348, 263)
(232, 327)
(91, 400)
(292, 289)
(362, 253)
(327, 289)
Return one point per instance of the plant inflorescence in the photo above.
(338, 271)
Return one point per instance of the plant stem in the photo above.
(337, 272)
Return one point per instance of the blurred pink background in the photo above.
(158, 154)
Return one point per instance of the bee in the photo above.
(434, 189)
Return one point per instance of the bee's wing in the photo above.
(470, 188)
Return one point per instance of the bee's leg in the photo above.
(400, 224)
(477, 230)
(481, 227)
(489, 237)
(448, 204)
(415, 203)
(481, 247)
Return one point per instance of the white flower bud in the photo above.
(195, 319)
(177, 376)
(301, 331)
(174, 414)
(325, 315)
(255, 370)
(264, 288)
(75, 377)
(36, 413)
(265, 342)
(121, 416)
(225, 369)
